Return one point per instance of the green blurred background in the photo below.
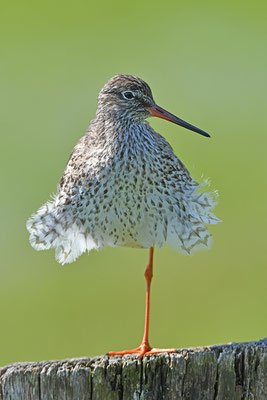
(206, 62)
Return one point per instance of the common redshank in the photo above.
(124, 186)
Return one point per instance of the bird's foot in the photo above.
(141, 351)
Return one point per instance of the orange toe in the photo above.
(122, 353)
(156, 351)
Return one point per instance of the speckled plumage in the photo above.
(123, 186)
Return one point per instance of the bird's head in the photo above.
(126, 96)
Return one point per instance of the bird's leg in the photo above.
(145, 348)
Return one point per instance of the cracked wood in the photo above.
(235, 371)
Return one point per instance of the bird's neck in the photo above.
(122, 130)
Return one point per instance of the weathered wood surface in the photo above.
(235, 371)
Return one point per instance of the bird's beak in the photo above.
(156, 111)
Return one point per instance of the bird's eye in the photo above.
(128, 94)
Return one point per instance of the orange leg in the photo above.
(145, 348)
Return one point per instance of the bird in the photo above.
(124, 186)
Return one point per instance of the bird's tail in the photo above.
(50, 228)
(43, 227)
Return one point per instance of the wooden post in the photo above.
(224, 372)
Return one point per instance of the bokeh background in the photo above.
(206, 62)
